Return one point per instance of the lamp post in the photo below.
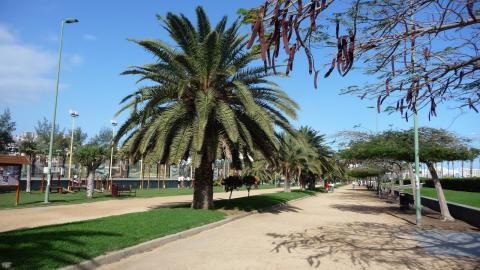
(114, 124)
(73, 114)
(54, 116)
(418, 201)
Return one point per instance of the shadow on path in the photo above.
(366, 245)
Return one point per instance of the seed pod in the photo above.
(300, 7)
(470, 9)
(387, 87)
(379, 103)
(285, 37)
(263, 44)
(315, 79)
(312, 15)
(363, 96)
(324, 4)
(332, 66)
(398, 105)
(256, 28)
(291, 58)
(337, 26)
(393, 65)
(290, 27)
(401, 106)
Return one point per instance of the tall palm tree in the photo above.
(291, 158)
(204, 102)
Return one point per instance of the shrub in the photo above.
(231, 183)
(471, 184)
(249, 181)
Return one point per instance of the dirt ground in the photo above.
(348, 229)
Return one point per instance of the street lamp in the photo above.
(52, 131)
(73, 114)
(114, 124)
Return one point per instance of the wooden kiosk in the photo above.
(10, 173)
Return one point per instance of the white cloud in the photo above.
(89, 37)
(76, 59)
(24, 70)
(5, 36)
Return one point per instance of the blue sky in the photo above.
(96, 50)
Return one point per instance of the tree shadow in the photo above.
(47, 247)
(365, 245)
(363, 209)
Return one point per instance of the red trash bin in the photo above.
(114, 190)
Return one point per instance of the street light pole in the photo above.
(114, 124)
(418, 201)
(74, 115)
(54, 116)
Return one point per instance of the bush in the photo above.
(459, 184)
(249, 181)
(471, 184)
(231, 183)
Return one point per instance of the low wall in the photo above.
(470, 215)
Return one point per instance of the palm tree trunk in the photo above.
(90, 182)
(29, 178)
(203, 187)
(286, 187)
(440, 196)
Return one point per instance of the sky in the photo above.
(96, 51)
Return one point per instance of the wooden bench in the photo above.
(124, 189)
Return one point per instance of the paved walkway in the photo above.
(348, 229)
(12, 219)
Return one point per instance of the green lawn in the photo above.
(60, 245)
(461, 197)
(34, 199)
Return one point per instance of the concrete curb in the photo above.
(117, 255)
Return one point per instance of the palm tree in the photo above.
(291, 158)
(91, 156)
(205, 102)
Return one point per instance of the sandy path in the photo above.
(11, 219)
(344, 230)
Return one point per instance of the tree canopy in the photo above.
(7, 127)
(435, 145)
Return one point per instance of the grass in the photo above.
(454, 196)
(262, 201)
(35, 198)
(61, 245)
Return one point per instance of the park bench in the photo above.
(126, 189)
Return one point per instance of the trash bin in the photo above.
(404, 202)
(114, 190)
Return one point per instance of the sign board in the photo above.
(9, 175)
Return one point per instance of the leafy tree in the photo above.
(435, 145)
(60, 142)
(104, 137)
(205, 101)
(7, 127)
(91, 156)
(30, 148)
(365, 172)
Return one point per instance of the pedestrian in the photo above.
(353, 184)
(189, 182)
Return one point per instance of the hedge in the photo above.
(471, 184)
